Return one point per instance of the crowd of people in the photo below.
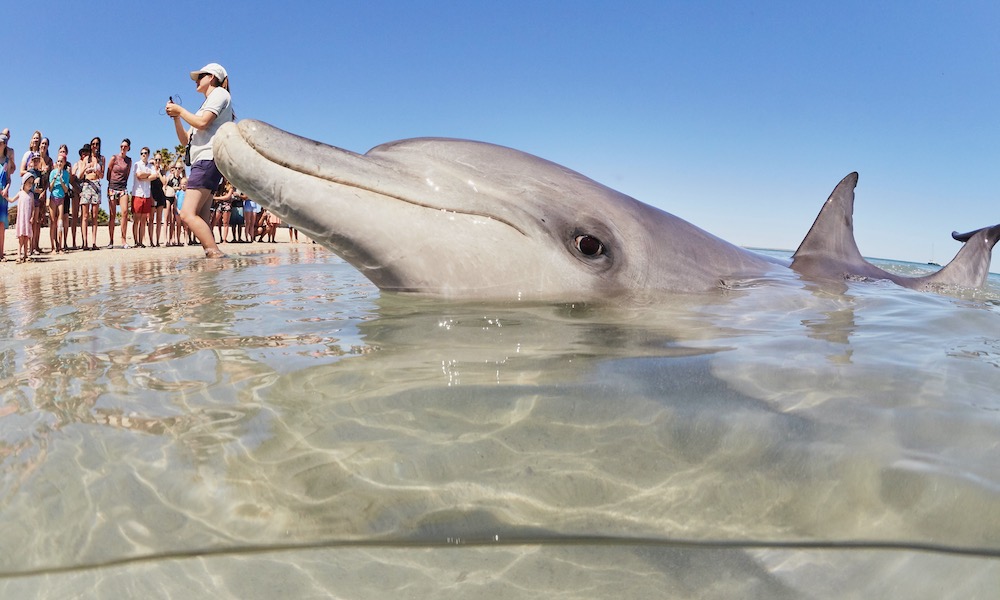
(148, 193)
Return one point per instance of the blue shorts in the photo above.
(204, 176)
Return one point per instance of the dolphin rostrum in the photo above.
(462, 219)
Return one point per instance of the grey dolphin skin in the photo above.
(830, 251)
(470, 220)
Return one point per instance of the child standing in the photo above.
(59, 191)
(25, 201)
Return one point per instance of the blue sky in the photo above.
(737, 116)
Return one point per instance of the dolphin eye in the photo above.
(588, 245)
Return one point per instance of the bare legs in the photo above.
(123, 201)
(195, 214)
(55, 219)
(74, 216)
(156, 225)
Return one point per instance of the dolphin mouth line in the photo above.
(358, 186)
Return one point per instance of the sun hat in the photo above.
(214, 69)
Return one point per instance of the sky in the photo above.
(739, 117)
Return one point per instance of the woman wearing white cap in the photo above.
(212, 81)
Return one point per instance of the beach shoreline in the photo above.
(49, 261)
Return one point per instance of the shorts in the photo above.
(91, 192)
(116, 195)
(204, 176)
(249, 206)
(142, 206)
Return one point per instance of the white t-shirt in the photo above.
(220, 103)
(139, 187)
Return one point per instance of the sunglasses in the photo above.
(144, 154)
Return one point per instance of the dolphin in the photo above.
(470, 220)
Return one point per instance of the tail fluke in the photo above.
(971, 266)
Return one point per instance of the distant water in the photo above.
(272, 426)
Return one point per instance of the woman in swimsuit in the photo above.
(119, 168)
(90, 172)
(159, 199)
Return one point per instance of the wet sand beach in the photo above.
(50, 261)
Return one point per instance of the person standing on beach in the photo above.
(65, 214)
(6, 167)
(171, 184)
(119, 168)
(142, 202)
(90, 172)
(212, 81)
(59, 190)
(34, 146)
(249, 216)
(33, 170)
(181, 227)
(25, 200)
(223, 209)
(45, 166)
(159, 199)
(76, 183)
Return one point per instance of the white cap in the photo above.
(214, 69)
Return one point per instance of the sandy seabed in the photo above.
(51, 261)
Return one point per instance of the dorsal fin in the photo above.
(971, 266)
(832, 234)
(829, 249)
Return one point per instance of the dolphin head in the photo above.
(462, 219)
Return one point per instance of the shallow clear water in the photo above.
(273, 427)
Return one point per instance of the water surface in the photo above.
(272, 426)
